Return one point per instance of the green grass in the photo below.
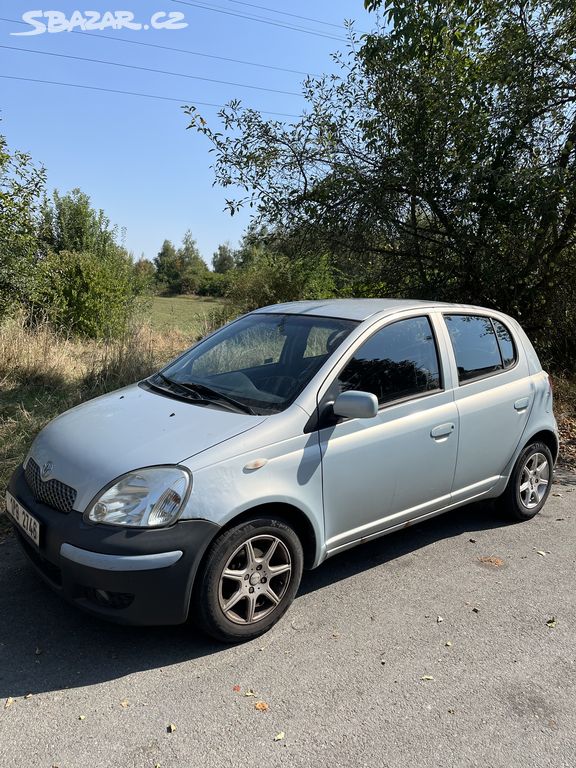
(186, 313)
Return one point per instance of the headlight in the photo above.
(145, 498)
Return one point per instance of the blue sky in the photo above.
(133, 156)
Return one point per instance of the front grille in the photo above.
(51, 492)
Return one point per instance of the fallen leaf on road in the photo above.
(8, 703)
(280, 736)
(170, 728)
(448, 643)
(295, 626)
(249, 692)
(236, 688)
(492, 560)
(125, 703)
(261, 706)
(551, 622)
(426, 677)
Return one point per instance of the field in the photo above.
(186, 313)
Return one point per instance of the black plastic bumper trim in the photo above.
(160, 596)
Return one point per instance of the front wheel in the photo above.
(251, 575)
(529, 483)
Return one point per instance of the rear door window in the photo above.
(482, 346)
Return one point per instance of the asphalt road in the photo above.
(345, 674)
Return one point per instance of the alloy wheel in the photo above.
(255, 579)
(534, 480)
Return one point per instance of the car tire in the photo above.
(250, 577)
(529, 483)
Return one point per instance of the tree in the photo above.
(167, 269)
(69, 223)
(441, 163)
(192, 265)
(21, 187)
(223, 259)
(182, 270)
(144, 275)
(86, 280)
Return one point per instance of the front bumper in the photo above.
(131, 576)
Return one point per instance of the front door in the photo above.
(381, 472)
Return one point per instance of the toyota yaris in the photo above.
(289, 435)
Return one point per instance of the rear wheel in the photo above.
(529, 483)
(251, 576)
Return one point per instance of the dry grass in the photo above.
(43, 374)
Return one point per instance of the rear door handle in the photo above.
(522, 404)
(442, 431)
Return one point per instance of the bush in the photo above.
(213, 284)
(275, 278)
(87, 295)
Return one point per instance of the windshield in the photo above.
(259, 363)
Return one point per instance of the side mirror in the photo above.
(356, 405)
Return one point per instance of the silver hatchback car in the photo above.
(289, 435)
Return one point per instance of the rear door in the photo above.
(494, 397)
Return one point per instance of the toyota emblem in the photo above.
(46, 469)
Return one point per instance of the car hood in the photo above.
(94, 443)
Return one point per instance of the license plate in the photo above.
(25, 521)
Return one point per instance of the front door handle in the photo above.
(522, 404)
(442, 431)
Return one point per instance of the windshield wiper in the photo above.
(176, 385)
(203, 390)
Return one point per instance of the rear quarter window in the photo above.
(506, 344)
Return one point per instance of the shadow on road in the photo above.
(47, 645)
(475, 517)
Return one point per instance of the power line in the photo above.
(177, 50)
(260, 19)
(133, 93)
(148, 69)
(285, 13)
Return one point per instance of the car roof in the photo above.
(357, 309)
